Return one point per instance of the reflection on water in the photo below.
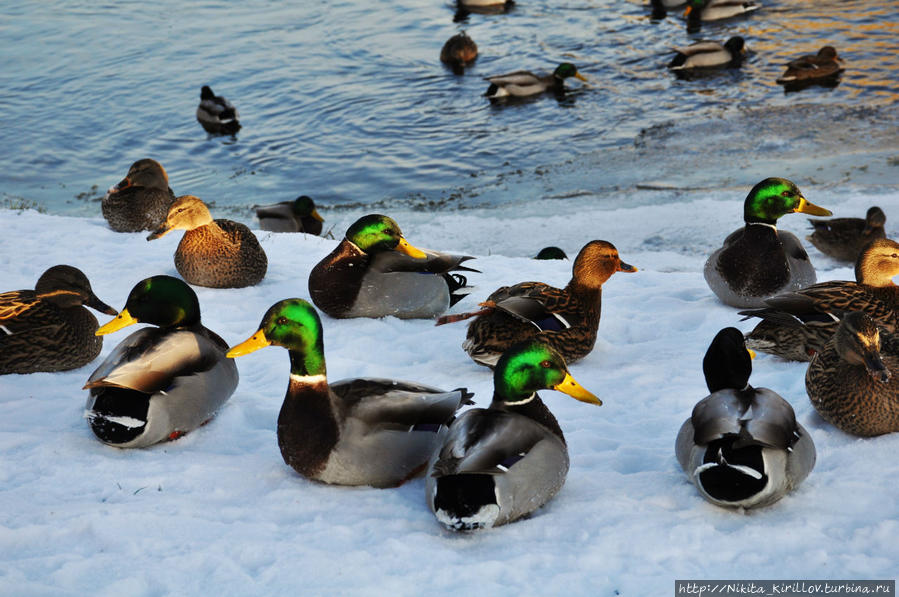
(348, 102)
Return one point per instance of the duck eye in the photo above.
(546, 364)
(282, 321)
(786, 194)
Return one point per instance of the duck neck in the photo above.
(308, 426)
(531, 407)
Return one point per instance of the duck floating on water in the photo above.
(706, 55)
(216, 114)
(822, 68)
(500, 463)
(49, 328)
(163, 381)
(742, 446)
(524, 83)
(459, 52)
(759, 261)
(365, 431)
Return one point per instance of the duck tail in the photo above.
(488, 307)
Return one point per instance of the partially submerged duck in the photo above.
(798, 324)
(759, 261)
(299, 215)
(458, 52)
(49, 328)
(709, 55)
(216, 114)
(375, 272)
(851, 381)
(844, 238)
(500, 463)
(524, 83)
(565, 318)
(742, 446)
(213, 253)
(822, 68)
(141, 200)
(163, 381)
(365, 431)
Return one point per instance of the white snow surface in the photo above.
(217, 512)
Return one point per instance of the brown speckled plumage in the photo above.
(844, 238)
(213, 253)
(853, 381)
(798, 324)
(533, 310)
(48, 328)
(141, 200)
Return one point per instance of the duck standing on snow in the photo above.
(850, 381)
(458, 52)
(213, 253)
(565, 318)
(298, 215)
(141, 200)
(759, 261)
(374, 272)
(844, 238)
(49, 328)
(524, 83)
(742, 446)
(216, 114)
(709, 55)
(160, 382)
(365, 431)
(500, 463)
(822, 68)
(796, 325)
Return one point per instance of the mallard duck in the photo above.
(709, 54)
(844, 238)
(551, 253)
(216, 114)
(364, 431)
(487, 7)
(160, 382)
(759, 261)
(141, 200)
(524, 83)
(374, 272)
(822, 68)
(500, 463)
(458, 52)
(660, 8)
(298, 215)
(796, 325)
(213, 253)
(48, 328)
(565, 318)
(850, 381)
(703, 11)
(742, 446)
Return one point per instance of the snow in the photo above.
(218, 512)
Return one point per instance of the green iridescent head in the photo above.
(295, 325)
(530, 366)
(304, 207)
(374, 233)
(775, 197)
(161, 300)
(566, 69)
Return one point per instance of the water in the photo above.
(348, 102)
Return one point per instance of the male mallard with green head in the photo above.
(524, 83)
(163, 381)
(298, 215)
(500, 463)
(49, 328)
(759, 261)
(364, 431)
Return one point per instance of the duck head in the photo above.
(878, 263)
(874, 218)
(565, 70)
(727, 363)
(596, 262)
(530, 366)
(66, 287)
(857, 341)
(163, 301)
(186, 213)
(295, 325)
(775, 197)
(144, 173)
(375, 233)
(304, 207)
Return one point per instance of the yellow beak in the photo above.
(251, 344)
(807, 207)
(316, 216)
(580, 76)
(122, 320)
(405, 247)
(751, 353)
(575, 390)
